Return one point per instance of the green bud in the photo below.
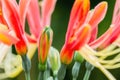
(54, 60)
(78, 57)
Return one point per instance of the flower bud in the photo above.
(54, 60)
(45, 41)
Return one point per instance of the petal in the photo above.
(23, 7)
(80, 38)
(8, 39)
(66, 55)
(10, 13)
(45, 42)
(47, 10)
(78, 14)
(94, 33)
(98, 14)
(102, 39)
(33, 18)
(116, 10)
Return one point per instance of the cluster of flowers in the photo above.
(81, 42)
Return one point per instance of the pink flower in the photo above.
(39, 24)
(11, 13)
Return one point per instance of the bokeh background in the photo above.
(59, 23)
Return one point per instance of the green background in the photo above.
(59, 23)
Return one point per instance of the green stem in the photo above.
(40, 77)
(75, 70)
(87, 75)
(27, 76)
(89, 68)
(55, 78)
(62, 72)
(26, 64)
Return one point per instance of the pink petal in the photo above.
(47, 10)
(94, 33)
(23, 7)
(102, 39)
(10, 13)
(116, 10)
(33, 17)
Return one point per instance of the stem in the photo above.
(89, 68)
(27, 76)
(40, 77)
(87, 75)
(75, 70)
(62, 72)
(26, 64)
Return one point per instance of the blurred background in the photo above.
(59, 24)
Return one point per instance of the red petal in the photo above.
(10, 13)
(77, 16)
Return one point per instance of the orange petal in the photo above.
(78, 14)
(66, 55)
(8, 39)
(45, 42)
(98, 14)
(82, 36)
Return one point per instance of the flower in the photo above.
(37, 23)
(82, 27)
(10, 12)
(36, 20)
(107, 45)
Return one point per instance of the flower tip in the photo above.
(104, 4)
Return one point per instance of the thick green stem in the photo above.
(26, 64)
(62, 72)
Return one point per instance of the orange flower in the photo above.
(44, 45)
(82, 27)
